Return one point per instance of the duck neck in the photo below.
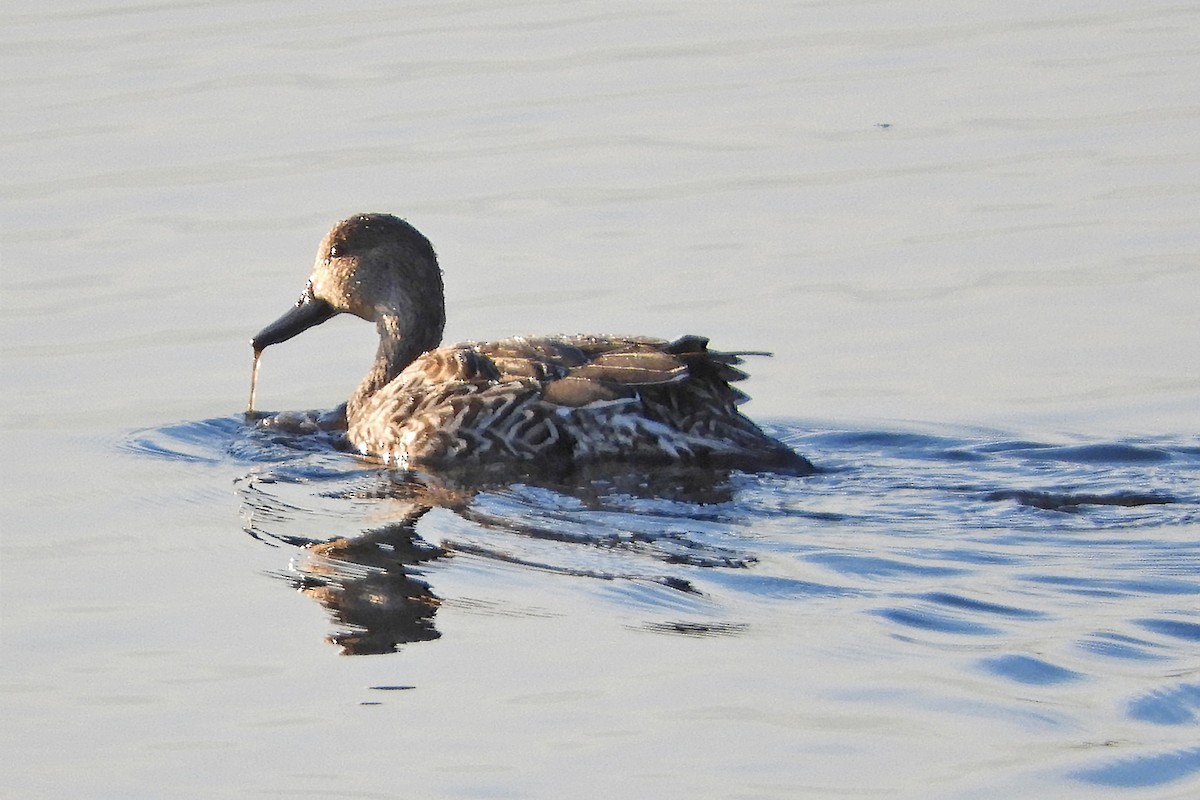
(399, 346)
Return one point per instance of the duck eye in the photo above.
(333, 251)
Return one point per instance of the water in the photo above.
(968, 236)
(1042, 595)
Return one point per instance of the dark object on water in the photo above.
(1056, 501)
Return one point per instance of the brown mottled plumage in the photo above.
(557, 400)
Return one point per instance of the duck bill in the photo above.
(308, 312)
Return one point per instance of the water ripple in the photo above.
(932, 619)
(1033, 566)
(1029, 670)
(1149, 769)
(1115, 645)
(1176, 705)
(1179, 629)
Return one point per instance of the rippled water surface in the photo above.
(968, 234)
(1040, 595)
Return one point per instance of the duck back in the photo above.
(565, 400)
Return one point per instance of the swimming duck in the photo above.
(549, 400)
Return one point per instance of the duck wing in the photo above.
(574, 371)
(575, 398)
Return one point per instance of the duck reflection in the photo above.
(369, 586)
(372, 578)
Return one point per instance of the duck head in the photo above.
(379, 268)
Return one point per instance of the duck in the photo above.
(553, 401)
